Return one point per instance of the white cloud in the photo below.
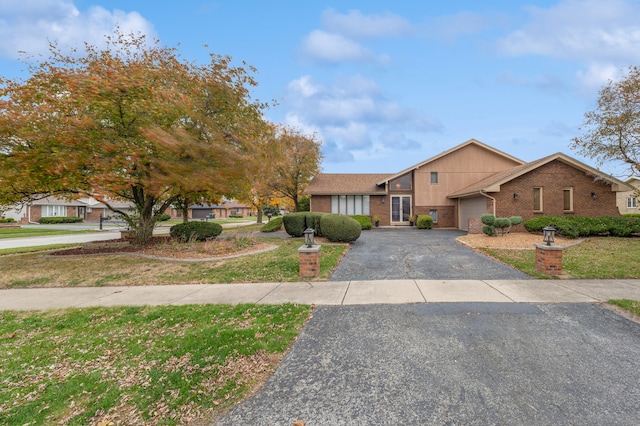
(28, 26)
(329, 47)
(453, 26)
(354, 24)
(352, 115)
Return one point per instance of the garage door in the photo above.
(200, 213)
(471, 207)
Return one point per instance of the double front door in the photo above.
(400, 209)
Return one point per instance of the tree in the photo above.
(131, 122)
(298, 160)
(612, 131)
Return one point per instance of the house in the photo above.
(87, 208)
(627, 201)
(218, 211)
(459, 185)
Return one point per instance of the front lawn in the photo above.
(596, 258)
(168, 365)
(279, 265)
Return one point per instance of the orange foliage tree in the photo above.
(132, 122)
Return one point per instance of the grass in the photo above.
(35, 232)
(32, 269)
(596, 258)
(632, 306)
(138, 365)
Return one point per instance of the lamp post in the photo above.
(308, 237)
(548, 233)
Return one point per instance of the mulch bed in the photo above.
(116, 248)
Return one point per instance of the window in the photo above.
(567, 199)
(350, 204)
(53, 211)
(434, 178)
(631, 203)
(537, 199)
(434, 215)
(403, 182)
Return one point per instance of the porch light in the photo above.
(594, 195)
(515, 196)
(548, 233)
(308, 237)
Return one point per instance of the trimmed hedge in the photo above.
(163, 217)
(198, 231)
(59, 219)
(275, 224)
(580, 226)
(7, 220)
(340, 228)
(424, 221)
(364, 221)
(295, 223)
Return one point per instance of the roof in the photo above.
(447, 152)
(347, 183)
(492, 183)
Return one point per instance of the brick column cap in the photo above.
(313, 249)
(546, 247)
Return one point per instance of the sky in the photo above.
(384, 85)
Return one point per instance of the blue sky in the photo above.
(384, 85)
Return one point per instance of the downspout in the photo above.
(492, 199)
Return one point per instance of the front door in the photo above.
(400, 209)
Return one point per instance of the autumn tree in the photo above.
(612, 130)
(298, 160)
(132, 122)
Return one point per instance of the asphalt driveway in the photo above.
(409, 253)
(455, 364)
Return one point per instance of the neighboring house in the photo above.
(459, 185)
(627, 201)
(217, 211)
(88, 209)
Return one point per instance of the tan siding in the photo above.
(456, 170)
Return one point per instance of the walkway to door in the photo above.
(411, 253)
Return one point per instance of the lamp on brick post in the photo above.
(309, 255)
(548, 257)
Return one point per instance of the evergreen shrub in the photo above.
(424, 221)
(198, 231)
(340, 228)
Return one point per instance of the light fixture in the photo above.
(515, 196)
(548, 233)
(308, 237)
(594, 195)
(398, 185)
(383, 198)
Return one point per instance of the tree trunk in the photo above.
(259, 209)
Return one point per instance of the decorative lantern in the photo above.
(548, 233)
(308, 237)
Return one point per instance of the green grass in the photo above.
(36, 232)
(630, 305)
(596, 258)
(138, 365)
(280, 265)
(36, 249)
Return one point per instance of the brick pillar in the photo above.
(548, 259)
(309, 261)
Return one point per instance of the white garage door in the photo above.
(471, 207)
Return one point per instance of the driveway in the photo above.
(455, 364)
(409, 253)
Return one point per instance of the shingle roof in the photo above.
(493, 182)
(346, 184)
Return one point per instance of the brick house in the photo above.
(88, 209)
(459, 185)
(219, 211)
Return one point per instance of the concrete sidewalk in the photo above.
(327, 293)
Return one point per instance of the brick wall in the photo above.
(447, 216)
(553, 178)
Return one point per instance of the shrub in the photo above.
(504, 224)
(198, 231)
(580, 226)
(340, 228)
(304, 204)
(163, 217)
(424, 221)
(364, 221)
(236, 216)
(7, 220)
(273, 225)
(59, 219)
(312, 220)
(295, 223)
